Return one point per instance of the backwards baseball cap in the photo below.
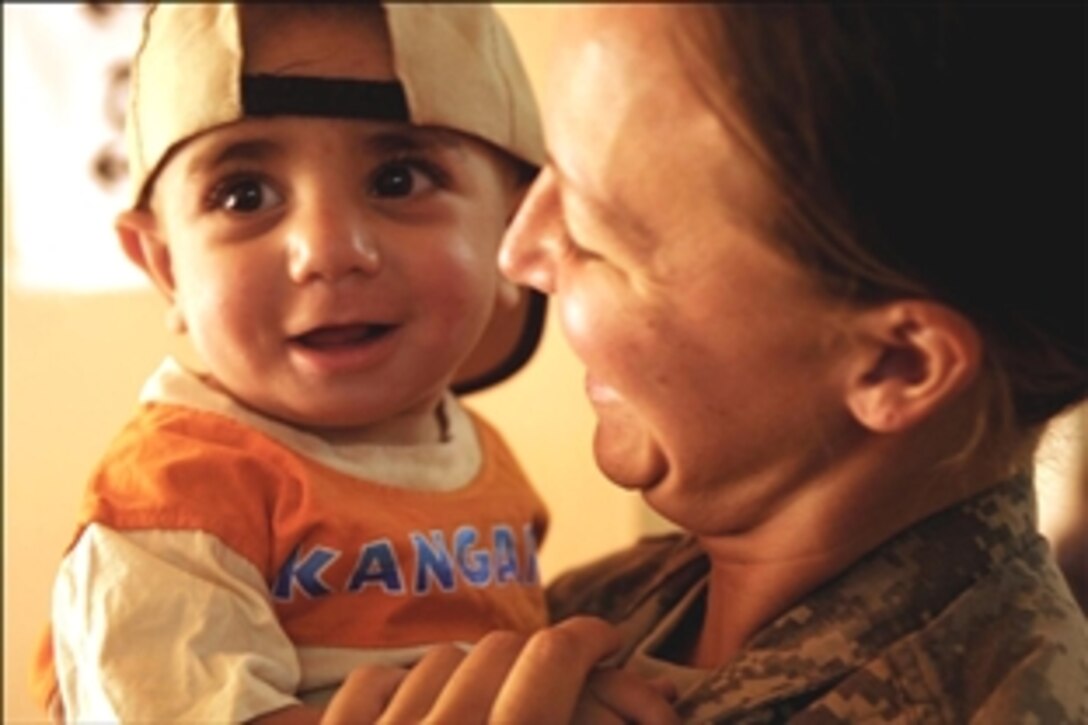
(456, 67)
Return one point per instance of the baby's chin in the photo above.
(407, 430)
(336, 425)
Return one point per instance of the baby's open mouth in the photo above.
(335, 336)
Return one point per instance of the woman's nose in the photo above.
(535, 237)
(331, 240)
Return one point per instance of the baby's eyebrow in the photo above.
(254, 150)
(413, 139)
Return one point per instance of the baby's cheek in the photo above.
(466, 291)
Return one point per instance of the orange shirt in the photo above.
(345, 562)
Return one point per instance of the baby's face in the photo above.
(334, 273)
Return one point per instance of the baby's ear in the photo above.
(507, 293)
(911, 357)
(142, 242)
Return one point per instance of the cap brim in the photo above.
(509, 341)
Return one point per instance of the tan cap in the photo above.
(456, 68)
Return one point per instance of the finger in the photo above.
(364, 695)
(665, 686)
(590, 711)
(420, 688)
(471, 690)
(633, 699)
(548, 676)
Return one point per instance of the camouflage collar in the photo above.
(892, 591)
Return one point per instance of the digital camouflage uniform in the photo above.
(963, 618)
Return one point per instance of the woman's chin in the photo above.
(628, 456)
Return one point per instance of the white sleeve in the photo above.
(166, 626)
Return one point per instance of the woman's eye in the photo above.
(244, 196)
(402, 179)
(580, 252)
(575, 248)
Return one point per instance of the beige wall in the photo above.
(73, 366)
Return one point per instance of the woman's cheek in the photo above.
(575, 319)
(589, 313)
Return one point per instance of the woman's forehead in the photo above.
(626, 125)
(617, 71)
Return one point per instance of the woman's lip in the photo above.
(599, 392)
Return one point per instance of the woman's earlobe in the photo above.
(911, 358)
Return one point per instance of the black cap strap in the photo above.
(272, 95)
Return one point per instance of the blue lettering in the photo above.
(475, 564)
(506, 554)
(531, 575)
(432, 557)
(305, 573)
(377, 565)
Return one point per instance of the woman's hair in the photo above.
(932, 152)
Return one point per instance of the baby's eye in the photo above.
(402, 179)
(244, 196)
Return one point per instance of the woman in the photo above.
(825, 267)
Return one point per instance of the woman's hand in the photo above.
(552, 676)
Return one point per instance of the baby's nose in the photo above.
(329, 243)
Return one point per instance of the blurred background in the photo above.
(82, 330)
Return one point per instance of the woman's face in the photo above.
(710, 358)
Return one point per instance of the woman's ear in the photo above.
(911, 358)
(145, 246)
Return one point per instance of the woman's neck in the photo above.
(874, 493)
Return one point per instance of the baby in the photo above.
(320, 191)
